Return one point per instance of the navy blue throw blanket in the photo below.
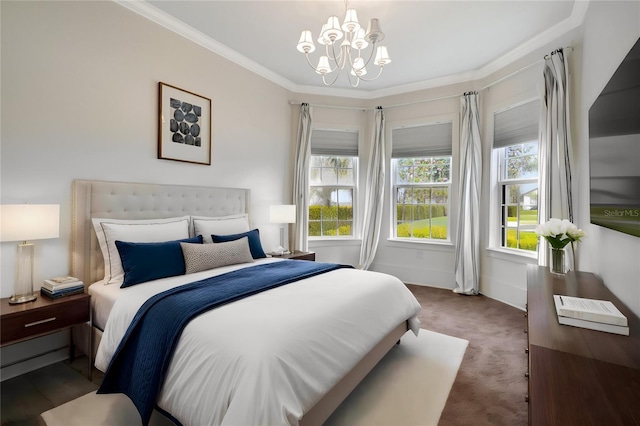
(142, 358)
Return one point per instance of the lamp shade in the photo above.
(305, 45)
(25, 222)
(282, 214)
(323, 65)
(382, 56)
(374, 32)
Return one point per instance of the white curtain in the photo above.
(467, 264)
(301, 178)
(555, 153)
(374, 193)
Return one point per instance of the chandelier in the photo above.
(350, 53)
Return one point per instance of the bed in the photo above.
(289, 355)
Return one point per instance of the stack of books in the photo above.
(601, 315)
(61, 286)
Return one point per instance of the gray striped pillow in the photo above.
(201, 257)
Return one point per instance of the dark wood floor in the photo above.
(26, 396)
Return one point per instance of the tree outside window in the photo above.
(331, 195)
(519, 195)
(421, 189)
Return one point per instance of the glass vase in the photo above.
(557, 261)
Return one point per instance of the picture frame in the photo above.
(184, 125)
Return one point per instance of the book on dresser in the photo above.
(600, 315)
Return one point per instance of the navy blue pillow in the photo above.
(144, 262)
(254, 241)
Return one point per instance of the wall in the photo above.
(79, 100)
(79, 83)
(610, 30)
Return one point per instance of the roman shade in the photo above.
(334, 142)
(429, 140)
(516, 125)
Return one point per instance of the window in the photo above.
(421, 167)
(332, 183)
(516, 151)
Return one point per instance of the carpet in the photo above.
(409, 386)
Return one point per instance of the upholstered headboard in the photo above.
(124, 200)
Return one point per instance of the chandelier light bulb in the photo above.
(305, 45)
(351, 24)
(382, 56)
(359, 42)
(352, 54)
(332, 30)
(321, 40)
(358, 68)
(323, 66)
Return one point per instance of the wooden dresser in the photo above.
(579, 376)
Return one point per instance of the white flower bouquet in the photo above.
(560, 232)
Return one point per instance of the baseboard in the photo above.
(23, 367)
(506, 302)
(20, 358)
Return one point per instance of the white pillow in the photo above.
(223, 225)
(135, 231)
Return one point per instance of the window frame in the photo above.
(502, 182)
(430, 185)
(499, 180)
(354, 198)
(452, 185)
(325, 126)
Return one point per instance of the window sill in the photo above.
(512, 255)
(334, 241)
(431, 244)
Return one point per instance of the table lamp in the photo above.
(25, 222)
(282, 214)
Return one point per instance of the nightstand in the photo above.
(43, 316)
(299, 255)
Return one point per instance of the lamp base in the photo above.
(22, 298)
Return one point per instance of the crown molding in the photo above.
(156, 15)
(167, 21)
(574, 20)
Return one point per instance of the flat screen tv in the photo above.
(614, 149)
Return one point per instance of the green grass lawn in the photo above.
(526, 217)
(420, 228)
(436, 221)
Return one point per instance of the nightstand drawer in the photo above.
(53, 316)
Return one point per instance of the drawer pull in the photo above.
(31, 324)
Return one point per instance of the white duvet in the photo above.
(268, 358)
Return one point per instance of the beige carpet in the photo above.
(409, 386)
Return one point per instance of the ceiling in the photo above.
(431, 43)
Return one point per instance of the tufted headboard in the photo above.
(124, 200)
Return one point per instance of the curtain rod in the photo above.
(332, 106)
(519, 70)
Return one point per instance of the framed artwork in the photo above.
(184, 126)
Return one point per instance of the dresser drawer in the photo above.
(58, 315)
